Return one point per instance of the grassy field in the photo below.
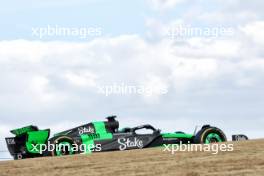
(246, 159)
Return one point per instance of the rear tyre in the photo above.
(63, 146)
(208, 135)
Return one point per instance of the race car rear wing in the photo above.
(20, 146)
(23, 130)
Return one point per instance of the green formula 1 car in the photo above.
(100, 136)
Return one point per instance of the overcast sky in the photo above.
(54, 81)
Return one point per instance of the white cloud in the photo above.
(210, 48)
(39, 88)
(191, 45)
(126, 58)
(226, 17)
(82, 79)
(164, 4)
(8, 6)
(254, 31)
(157, 87)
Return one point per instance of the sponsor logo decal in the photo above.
(128, 143)
(83, 130)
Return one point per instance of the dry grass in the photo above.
(246, 159)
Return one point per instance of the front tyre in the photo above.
(209, 135)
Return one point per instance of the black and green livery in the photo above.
(101, 136)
